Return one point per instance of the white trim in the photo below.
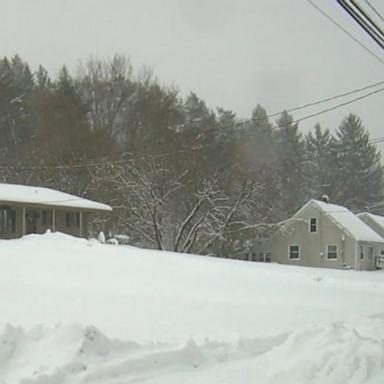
(337, 252)
(23, 221)
(80, 224)
(289, 252)
(309, 224)
(53, 220)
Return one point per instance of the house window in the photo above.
(382, 252)
(261, 256)
(72, 219)
(7, 220)
(313, 225)
(294, 252)
(47, 217)
(332, 252)
(370, 253)
(268, 257)
(361, 252)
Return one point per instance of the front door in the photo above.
(31, 216)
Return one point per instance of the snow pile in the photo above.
(189, 319)
(337, 353)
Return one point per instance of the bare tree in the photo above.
(154, 206)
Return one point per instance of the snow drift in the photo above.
(187, 319)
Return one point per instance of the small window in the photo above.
(72, 219)
(294, 252)
(370, 253)
(261, 256)
(7, 220)
(361, 252)
(268, 257)
(332, 252)
(313, 225)
(382, 252)
(47, 217)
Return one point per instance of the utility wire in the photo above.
(368, 18)
(360, 20)
(159, 155)
(303, 106)
(333, 21)
(377, 13)
(339, 105)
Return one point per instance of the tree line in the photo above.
(179, 175)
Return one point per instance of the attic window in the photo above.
(313, 225)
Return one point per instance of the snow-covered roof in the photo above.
(15, 193)
(376, 218)
(348, 221)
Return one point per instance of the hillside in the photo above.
(82, 312)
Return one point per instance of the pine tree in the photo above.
(320, 163)
(291, 165)
(43, 82)
(360, 171)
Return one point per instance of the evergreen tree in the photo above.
(360, 184)
(320, 161)
(290, 167)
(43, 81)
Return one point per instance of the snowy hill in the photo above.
(81, 312)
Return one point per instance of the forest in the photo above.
(179, 175)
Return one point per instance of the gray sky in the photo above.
(233, 54)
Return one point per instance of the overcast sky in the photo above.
(233, 54)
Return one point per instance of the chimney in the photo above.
(325, 199)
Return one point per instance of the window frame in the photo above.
(361, 252)
(298, 252)
(72, 219)
(47, 217)
(337, 252)
(310, 225)
(8, 218)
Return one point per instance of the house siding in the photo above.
(313, 246)
(377, 228)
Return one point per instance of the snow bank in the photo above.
(337, 353)
(190, 319)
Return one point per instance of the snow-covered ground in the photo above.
(76, 311)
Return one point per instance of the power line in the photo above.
(345, 31)
(303, 106)
(377, 13)
(339, 105)
(370, 28)
(369, 19)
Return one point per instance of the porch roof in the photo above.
(23, 194)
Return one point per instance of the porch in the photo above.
(17, 221)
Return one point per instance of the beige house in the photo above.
(376, 222)
(27, 209)
(326, 235)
